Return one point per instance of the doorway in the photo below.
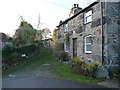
(74, 47)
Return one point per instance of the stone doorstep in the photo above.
(110, 84)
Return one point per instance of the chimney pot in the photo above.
(77, 5)
(74, 5)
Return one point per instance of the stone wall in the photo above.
(111, 25)
(105, 31)
(79, 30)
(94, 28)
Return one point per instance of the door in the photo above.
(74, 47)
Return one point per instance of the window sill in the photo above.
(88, 52)
(65, 31)
(87, 23)
(66, 51)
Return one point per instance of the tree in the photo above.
(38, 35)
(25, 34)
(54, 36)
(3, 37)
(10, 39)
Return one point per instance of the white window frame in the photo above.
(88, 15)
(65, 27)
(65, 46)
(85, 44)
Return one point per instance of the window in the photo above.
(65, 27)
(88, 16)
(65, 46)
(88, 44)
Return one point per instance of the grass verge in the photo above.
(65, 73)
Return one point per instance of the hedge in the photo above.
(12, 55)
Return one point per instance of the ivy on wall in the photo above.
(67, 39)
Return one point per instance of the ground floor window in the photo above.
(88, 44)
(65, 46)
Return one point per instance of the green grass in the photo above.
(65, 73)
(45, 57)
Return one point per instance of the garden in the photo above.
(77, 66)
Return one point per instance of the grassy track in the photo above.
(45, 57)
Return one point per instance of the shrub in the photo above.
(68, 39)
(76, 69)
(36, 41)
(57, 49)
(77, 60)
(114, 73)
(63, 56)
(27, 49)
(82, 68)
(91, 68)
(7, 50)
(71, 65)
(11, 55)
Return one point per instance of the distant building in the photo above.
(92, 34)
(5, 40)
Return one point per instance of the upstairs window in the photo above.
(87, 16)
(65, 27)
(88, 44)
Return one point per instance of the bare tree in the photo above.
(21, 17)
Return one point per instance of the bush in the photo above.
(82, 68)
(92, 66)
(114, 72)
(36, 41)
(7, 50)
(77, 60)
(27, 49)
(63, 56)
(71, 65)
(11, 55)
(58, 48)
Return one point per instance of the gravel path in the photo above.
(41, 72)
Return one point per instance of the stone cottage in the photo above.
(92, 34)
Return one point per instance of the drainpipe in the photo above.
(102, 33)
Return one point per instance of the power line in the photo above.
(57, 4)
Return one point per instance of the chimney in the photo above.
(76, 9)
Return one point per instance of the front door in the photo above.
(74, 47)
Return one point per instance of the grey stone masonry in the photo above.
(104, 30)
(111, 32)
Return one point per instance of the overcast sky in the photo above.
(51, 12)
